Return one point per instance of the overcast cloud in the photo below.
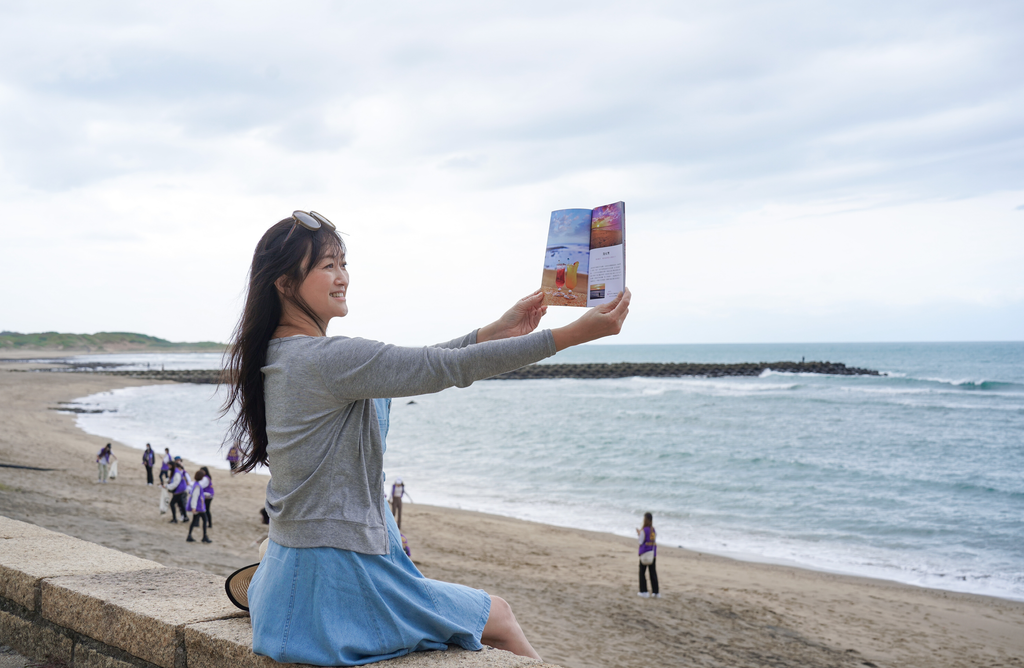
(792, 171)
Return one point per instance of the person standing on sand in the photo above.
(103, 460)
(397, 493)
(166, 465)
(233, 456)
(648, 556)
(148, 459)
(207, 485)
(177, 486)
(197, 504)
(315, 410)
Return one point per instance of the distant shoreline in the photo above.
(22, 354)
(574, 591)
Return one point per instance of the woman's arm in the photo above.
(598, 322)
(525, 315)
(355, 369)
(522, 318)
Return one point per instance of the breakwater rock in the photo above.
(201, 376)
(620, 370)
(630, 370)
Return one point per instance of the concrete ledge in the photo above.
(140, 612)
(28, 554)
(86, 606)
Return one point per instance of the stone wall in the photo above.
(74, 603)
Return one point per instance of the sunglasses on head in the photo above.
(311, 220)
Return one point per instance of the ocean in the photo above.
(916, 476)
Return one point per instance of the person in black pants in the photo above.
(648, 556)
(207, 485)
(148, 458)
(197, 504)
(178, 486)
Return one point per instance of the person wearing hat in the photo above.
(178, 486)
(334, 587)
(397, 492)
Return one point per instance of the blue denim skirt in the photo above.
(331, 607)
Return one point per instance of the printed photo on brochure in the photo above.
(585, 259)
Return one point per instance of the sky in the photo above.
(792, 171)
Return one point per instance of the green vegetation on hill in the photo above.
(100, 342)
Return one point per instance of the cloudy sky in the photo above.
(792, 171)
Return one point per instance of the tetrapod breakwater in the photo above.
(539, 371)
(631, 369)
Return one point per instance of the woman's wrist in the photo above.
(567, 336)
(486, 333)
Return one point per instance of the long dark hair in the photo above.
(648, 520)
(289, 250)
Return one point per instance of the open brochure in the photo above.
(585, 261)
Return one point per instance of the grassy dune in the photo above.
(98, 342)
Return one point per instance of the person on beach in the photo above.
(178, 486)
(208, 492)
(166, 465)
(103, 460)
(315, 410)
(233, 456)
(197, 506)
(397, 493)
(148, 459)
(648, 556)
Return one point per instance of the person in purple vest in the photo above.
(233, 456)
(166, 465)
(197, 504)
(207, 485)
(648, 556)
(148, 459)
(178, 486)
(103, 459)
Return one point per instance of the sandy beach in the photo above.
(552, 299)
(574, 592)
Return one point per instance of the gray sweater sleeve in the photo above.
(354, 369)
(461, 342)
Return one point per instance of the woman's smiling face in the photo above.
(325, 288)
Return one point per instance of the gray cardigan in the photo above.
(325, 451)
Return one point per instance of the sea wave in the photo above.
(912, 477)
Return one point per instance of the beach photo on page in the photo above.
(606, 226)
(567, 258)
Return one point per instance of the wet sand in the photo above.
(574, 592)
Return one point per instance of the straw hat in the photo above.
(237, 584)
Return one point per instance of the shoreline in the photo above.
(574, 591)
(808, 555)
